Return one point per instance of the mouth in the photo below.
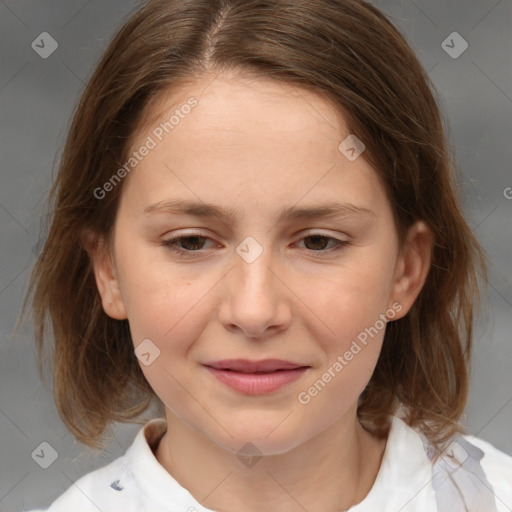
(256, 377)
(248, 366)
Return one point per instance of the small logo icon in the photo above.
(507, 192)
(351, 147)
(455, 455)
(44, 45)
(45, 455)
(147, 352)
(249, 249)
(454, 45)
(249, 455)
(116, 485)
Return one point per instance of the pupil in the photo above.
(315, 239)
(194, 242)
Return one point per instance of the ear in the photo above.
(412, 267)
(105, 275)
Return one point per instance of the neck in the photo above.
(330, 472)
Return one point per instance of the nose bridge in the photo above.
(253, 300)
(256, 258)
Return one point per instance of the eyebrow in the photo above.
(210, 211)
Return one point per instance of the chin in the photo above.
(259, 439)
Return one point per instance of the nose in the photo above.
(255, 300)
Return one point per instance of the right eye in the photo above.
(185, 243)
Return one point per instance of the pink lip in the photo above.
(256, 377)
(248, 366)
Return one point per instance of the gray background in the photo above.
(36, 100)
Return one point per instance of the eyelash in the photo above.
(171, 244)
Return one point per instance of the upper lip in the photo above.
(248, 366)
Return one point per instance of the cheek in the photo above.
(351, 304)
(171, 311)
(348, 299)
(349, 356)
(160, 296)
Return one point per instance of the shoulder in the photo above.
(117, 485)
(469, 470)
(497, 467)
(96, 490)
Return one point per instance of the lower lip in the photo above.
(257, 383)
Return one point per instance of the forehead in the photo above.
(245, 136)
(228, 99)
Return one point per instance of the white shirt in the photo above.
(406, 481)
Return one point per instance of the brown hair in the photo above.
(350, 54)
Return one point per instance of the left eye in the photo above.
(194, 242)
(323, 240)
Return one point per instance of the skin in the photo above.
(256, 146)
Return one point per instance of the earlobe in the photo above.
(412, 267)
(105, 276)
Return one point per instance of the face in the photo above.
(311, 288)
